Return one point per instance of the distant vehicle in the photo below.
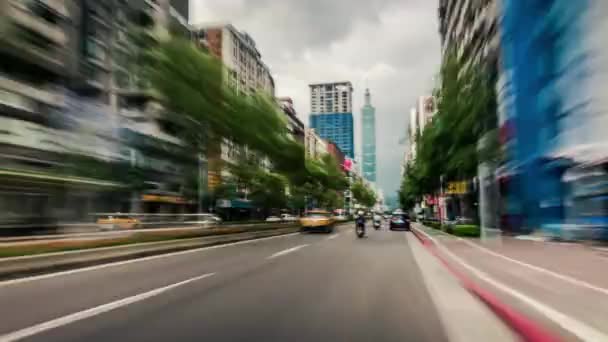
(387, 216)
(318, 220)
(118, 221)
(210, 218)
(340, 218)
(399, 222)
(377, 221)
(273, 219)
(288, 218)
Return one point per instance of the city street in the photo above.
(308, 287)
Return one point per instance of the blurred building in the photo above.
(314, 145)
(549, 105)
(84, 129)
(471, 28)
(182, 7)
(368, 130)
(294, 124)
(334, 151)
(247, 73)
(426, 110)
(331, 113)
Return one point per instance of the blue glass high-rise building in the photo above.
(331, 114)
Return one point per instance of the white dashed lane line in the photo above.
(286, 251)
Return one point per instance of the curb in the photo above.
(518, 322)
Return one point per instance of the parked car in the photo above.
(273, 219)
(399, 222)
(288, 218)
(318, 220)
(118, 221)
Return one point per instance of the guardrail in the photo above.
(146, 222)
(14, 267)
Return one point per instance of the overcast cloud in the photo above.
(391, 46)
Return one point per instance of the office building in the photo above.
(331, 114)
(368, 130)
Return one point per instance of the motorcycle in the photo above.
(377, 225)
(360, 228)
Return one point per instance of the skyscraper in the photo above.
(331, 114)
(368, 130)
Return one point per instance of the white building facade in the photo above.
(331, 98)
(247, 73)
(314, 145)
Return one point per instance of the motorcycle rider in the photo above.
(360, 221)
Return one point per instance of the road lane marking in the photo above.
(286, 251)
(125, 262)
(578, 328)
(333, 236)
(565, 278)
(77, 316)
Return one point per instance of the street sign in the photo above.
(456, 188)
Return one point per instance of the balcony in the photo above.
(57, 6)
(43, 94)
(24, 17)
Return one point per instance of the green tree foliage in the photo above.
(191, 84)
(466, 111)
(363, 194)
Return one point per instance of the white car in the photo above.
(273, 219)
(288, 218)
(340, 218)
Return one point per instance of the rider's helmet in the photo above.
(360, 213)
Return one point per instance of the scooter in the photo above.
(377, 225)
(360, 228)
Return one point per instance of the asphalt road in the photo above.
(300, 287)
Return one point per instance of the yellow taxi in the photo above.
(118, 221)
(317, 220)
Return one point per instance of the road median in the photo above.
(22, 260)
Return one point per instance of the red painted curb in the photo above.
(525, 327)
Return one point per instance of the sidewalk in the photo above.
(564, 286)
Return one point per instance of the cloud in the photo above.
(390, 46)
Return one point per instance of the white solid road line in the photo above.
(65, 320)
(286, 251)
(333, 236)
(120, 263)
(578, 328)
(565, 278)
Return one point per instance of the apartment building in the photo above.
(294, 124)
(470, 27)
(247, 73)
(75, 111)
(314, 145)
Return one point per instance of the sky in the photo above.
(390, 46)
